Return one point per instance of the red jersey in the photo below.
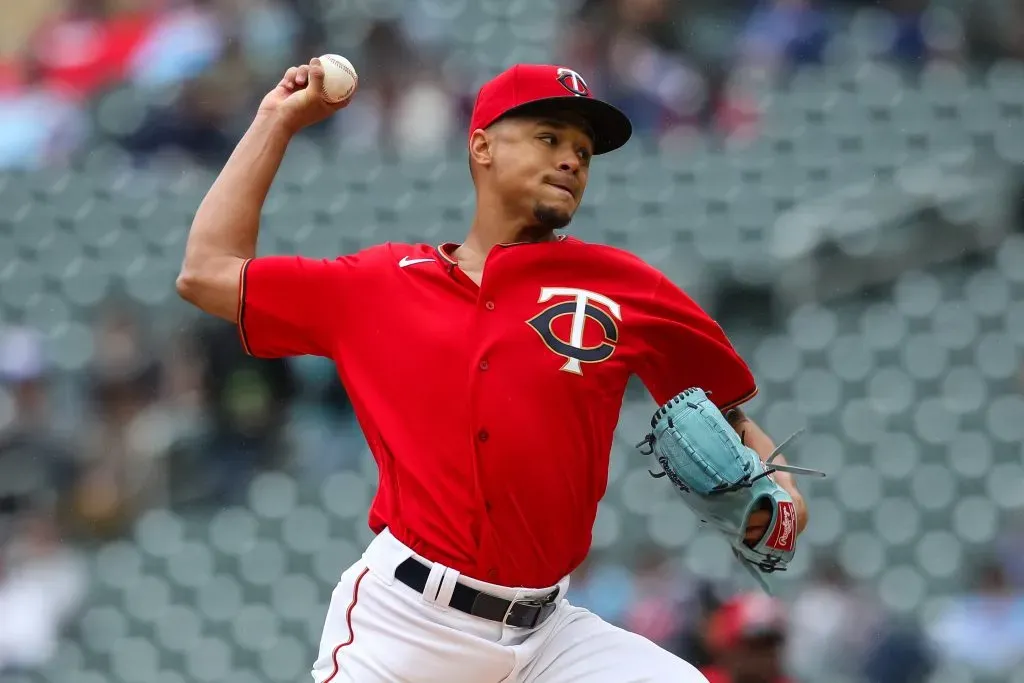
(490, 410)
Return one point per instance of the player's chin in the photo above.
(553, 216)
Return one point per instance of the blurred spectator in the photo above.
(995, 29)
(728, 111)
(425, 117)
(183, 40)
(909, 43)
(783, 34)
(42, 584)
(200, 65)
(1010, 550)
(662, 607)
(899, 654)
(984, 628)
(37, 467)
(269, 33)
(831, 624)
(247, 403)
(404, 105)
(746, 637)
(632, 53)
(911, 33)
(604, 588)
(191, 36)
(39, 125)
(88, 47)
(127, 432)
(199, 121)
(323, 429)
(41, 580)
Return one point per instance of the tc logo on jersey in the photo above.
(581, 307)
(573, 82)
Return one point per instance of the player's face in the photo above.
(542, 166)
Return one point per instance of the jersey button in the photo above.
(489, 305)
(484, 365)
(482, 435)
(492, 574)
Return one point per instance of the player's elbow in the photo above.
(188, 286)
(211, 285)
(197, 289)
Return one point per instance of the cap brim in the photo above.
(611, 128)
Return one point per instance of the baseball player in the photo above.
(487, 377)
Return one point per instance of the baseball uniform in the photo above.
(490, 412)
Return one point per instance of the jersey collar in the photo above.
(445, 251)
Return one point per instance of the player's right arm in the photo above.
(222, 240)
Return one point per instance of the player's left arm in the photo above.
(684, 347)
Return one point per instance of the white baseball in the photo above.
(340, 79)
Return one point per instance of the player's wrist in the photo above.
(274, 123)
(801, 510)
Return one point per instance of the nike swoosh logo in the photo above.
(406, 261)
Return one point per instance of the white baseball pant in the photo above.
(378, 630)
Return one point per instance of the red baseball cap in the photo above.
(537, 88)
(746, 616)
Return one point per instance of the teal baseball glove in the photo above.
(723, 481)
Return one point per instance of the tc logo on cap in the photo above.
(573, 82)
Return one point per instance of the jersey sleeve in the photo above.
(295, 306)
(684, 347)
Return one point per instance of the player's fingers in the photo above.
(289, 78)
(302, 76)
(316, 72)
(757, 525)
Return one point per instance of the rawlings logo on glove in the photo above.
(723, 481)
(783, 537)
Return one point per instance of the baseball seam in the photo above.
(348, 94)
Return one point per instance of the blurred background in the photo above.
(838, 182)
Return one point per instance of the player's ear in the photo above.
(481, 148)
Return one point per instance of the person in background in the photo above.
(36, 461)
(42, 578)
(746, 638)
(43, 583)
(605, 587)
(784, 34)
(984, 628)
(249, 403)
(832, 623)
(661, 597)
(121, 463)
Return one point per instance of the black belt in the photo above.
(518, 613)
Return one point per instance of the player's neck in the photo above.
(487, 232)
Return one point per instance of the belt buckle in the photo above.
(526, 603)
(537, 604)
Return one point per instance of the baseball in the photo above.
(340, 78)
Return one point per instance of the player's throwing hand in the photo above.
(296, 101)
